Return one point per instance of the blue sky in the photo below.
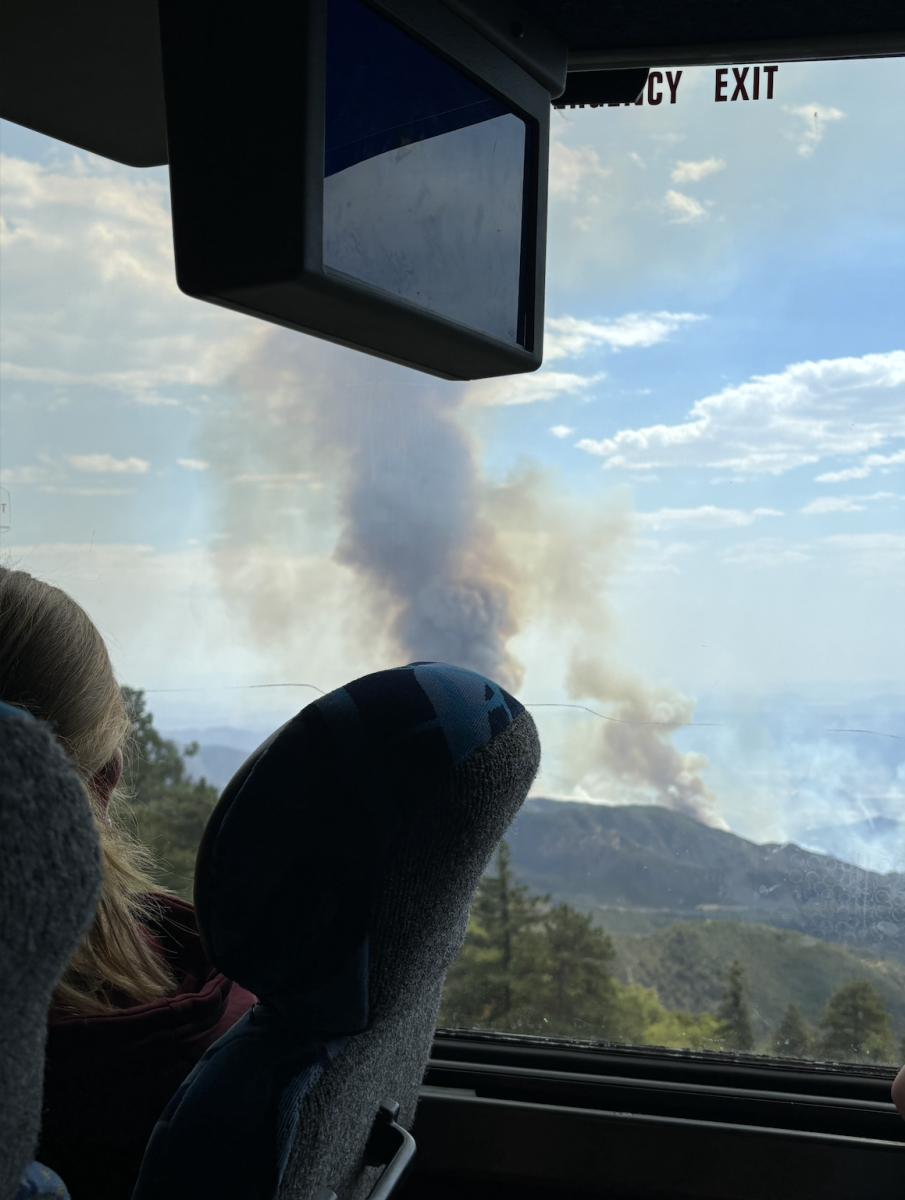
(693, 512)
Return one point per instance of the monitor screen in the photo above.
(424, 177)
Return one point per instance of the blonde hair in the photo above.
(55, 664)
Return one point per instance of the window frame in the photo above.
(653, 1123)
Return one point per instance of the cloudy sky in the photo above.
(690, 519)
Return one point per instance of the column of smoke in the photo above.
(569, 552)
(449, 566)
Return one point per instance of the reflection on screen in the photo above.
(423, 177)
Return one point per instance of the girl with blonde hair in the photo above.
(139, 1002)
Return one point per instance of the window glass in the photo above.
(680, 542)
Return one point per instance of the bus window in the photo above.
(680, 542)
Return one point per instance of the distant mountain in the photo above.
(230, 736)
(640, 867)
(217, 764)
(686, 963)
(222, 750)
(877, 842)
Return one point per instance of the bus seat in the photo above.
(334, 881)
(49, 885)
(40, 1183)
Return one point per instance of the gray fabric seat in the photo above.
(417, 930)
(334, 881)
(49, 885)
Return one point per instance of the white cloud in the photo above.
(173, 625)
(883, 461)
(886, 460)
(202, 367)
(685, 209)
(83, 491)
(706, 516)
(881, 553)
(694, 172)
(893, 542)
(29, 186)
(843, 476)
(571, 167)
(833, 504)
(815, 118)
(565, 337)
(765, 552)
(104, 232)
(193, 464)
(843, 504)
(526, 389)
(13, 475)
(561, 431)
(106, 464)
(773, 423)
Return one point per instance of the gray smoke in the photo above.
(568, 552)
(359, 441)
(384, 475)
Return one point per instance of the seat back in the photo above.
(49, 884)
(334, 881)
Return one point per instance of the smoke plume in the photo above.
(379, 481)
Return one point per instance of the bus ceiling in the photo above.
(90, 74)
(374, 172)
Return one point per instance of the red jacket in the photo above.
(109, 1077)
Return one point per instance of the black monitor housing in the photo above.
(371, 173)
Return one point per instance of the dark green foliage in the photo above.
(526, 966)
(735, 1019)
(793, 1037)
(856, 1025)
(171, 809)
(575, 988)
(686, 963)
(530, 967)
(489, 980)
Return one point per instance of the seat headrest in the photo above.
(49, 884)
(307, 837)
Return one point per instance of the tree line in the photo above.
(530, 966)
(527, 965)
(169, 807)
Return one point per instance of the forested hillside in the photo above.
(687, 962)
(539, 956)
(170, 807)
(530, 965)
(639, 867)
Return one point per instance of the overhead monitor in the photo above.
(372, 173)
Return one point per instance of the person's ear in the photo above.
(105, 780)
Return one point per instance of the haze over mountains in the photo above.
(681, 900)
(640, 867)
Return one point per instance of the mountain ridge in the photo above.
(637, 859)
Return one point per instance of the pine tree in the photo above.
(153, 762)
(170, 808)
(572, 992)
(501, 953)
(735, 1020)
(793, 1037)
(857, 1025)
